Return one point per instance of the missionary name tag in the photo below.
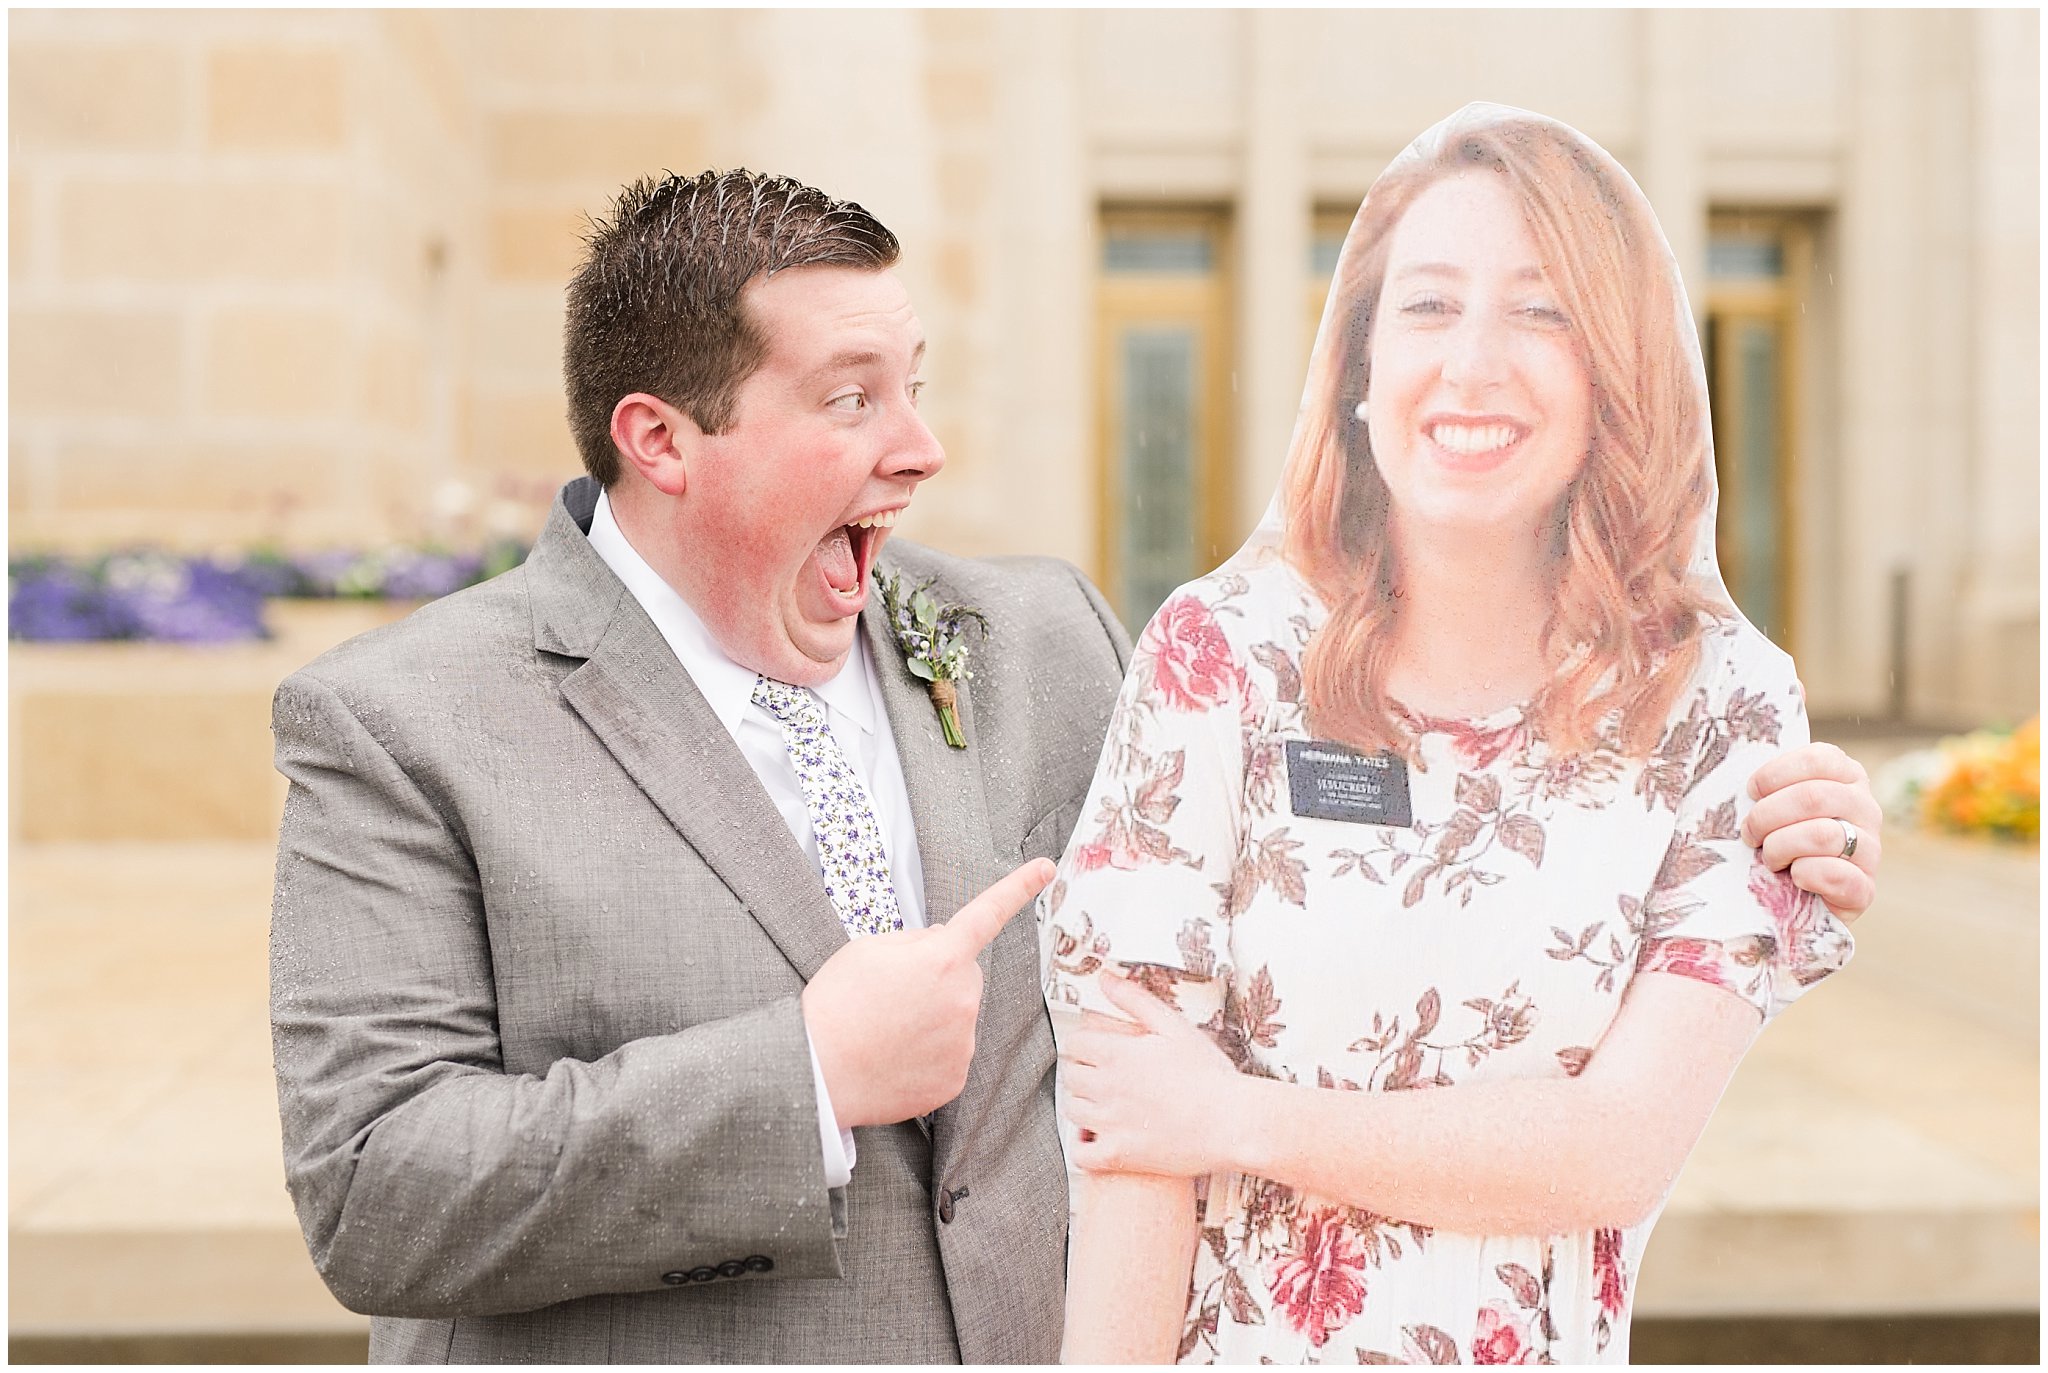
(1332, 782)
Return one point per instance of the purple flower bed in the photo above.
(144, 594)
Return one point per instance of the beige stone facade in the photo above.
(286, 276)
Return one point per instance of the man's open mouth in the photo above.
(847, 555)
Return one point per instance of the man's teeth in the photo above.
(881, 519)
(1473, 438)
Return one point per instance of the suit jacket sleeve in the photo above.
(428, 1180)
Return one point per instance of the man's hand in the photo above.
(1802, 798)
(891, 1016)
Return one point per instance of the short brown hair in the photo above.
(655, 307)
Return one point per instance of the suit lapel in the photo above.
(947, 800)
(642, 706)
(955, 842)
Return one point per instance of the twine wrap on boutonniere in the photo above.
(933, 638)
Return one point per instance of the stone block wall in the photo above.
(236, 297)
(569, 108)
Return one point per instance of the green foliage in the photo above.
(933, 636)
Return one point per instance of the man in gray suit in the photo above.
(632, 995)
(558, 992)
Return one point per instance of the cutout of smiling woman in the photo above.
(1438, 783)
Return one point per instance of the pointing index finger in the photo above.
(983, 918)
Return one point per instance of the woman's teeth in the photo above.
(1472, 438)
(881, 519)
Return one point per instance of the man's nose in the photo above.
(916, 454)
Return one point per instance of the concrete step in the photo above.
(146, 1177)
(1876, 1156)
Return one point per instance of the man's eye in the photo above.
(916, 390)
(852, 400)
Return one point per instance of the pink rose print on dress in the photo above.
(1133, 832)
(1613, 1281)
(1607, 1269)
(1192, 665)
(1791, 909)
(1500, 1337)
(1100, 854)
(1698, 959)
(1804, 950)
(1478, 745)
(1322, 1287)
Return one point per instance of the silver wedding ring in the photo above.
(1848, 838)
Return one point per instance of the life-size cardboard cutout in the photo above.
(1444, 767)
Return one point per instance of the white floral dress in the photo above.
(1491, 940)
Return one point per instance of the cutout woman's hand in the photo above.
(1151, 1095)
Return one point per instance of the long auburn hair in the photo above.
(1623, 628)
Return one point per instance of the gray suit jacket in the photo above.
(536, 952)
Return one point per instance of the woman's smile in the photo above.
(1476, 444)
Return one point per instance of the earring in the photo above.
(1358, 412)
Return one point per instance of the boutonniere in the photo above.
(933, 638)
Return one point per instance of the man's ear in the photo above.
(656, 440)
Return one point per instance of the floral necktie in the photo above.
(842, 818)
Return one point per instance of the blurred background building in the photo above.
(288, 275)
(295, 279)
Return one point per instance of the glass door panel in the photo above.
(1164, 404)
(1158, 467)
(1754, 262)
(1749, 453)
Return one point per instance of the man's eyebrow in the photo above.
(848, 360)
(853, 358)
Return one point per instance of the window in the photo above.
(1325, 243)
(1757, 264)
(1164, 403)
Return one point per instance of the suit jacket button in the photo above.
(676, 1279)
(760, 1263)
(731, 1268)
(945, 1207)
(705, 1274)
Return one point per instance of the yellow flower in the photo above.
(1991, 785)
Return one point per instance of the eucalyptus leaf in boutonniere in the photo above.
(933, 638)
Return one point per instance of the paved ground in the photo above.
(1877, 1154)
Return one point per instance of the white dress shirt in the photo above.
(853, 709)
